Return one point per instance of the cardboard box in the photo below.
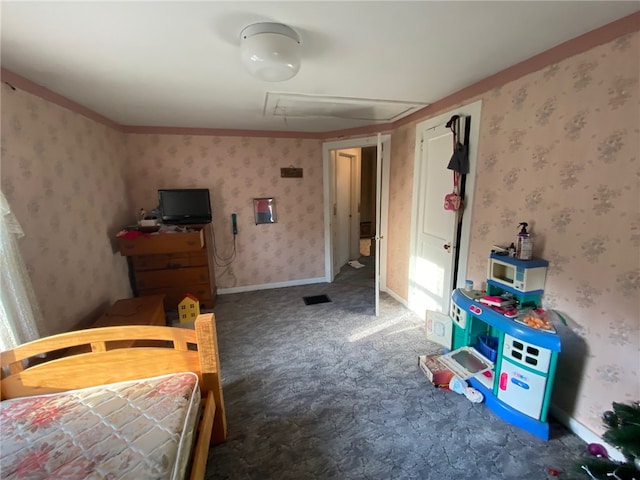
(436, 372)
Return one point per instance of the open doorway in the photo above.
(356, 176)
(355, 215)
(368, 226)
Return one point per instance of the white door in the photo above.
(439, 329)
(378, 234)
(521, 389)
(436, 228)
(433, 239)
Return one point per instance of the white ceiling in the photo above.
(177, 64)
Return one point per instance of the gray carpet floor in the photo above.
(329, 391)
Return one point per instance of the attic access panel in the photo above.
(299, 105)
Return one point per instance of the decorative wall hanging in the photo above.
(264, 210)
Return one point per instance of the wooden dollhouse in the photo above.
(188, 308)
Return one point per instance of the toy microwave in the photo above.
(519, 275)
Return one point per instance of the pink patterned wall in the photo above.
(559, 148)
(400, 198)
(236, 170)
(63, 176)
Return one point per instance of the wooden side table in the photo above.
(130, 311)
(134, 311)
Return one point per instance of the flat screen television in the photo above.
(185, 206)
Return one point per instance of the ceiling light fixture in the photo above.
(270, 51)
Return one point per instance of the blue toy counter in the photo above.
(484, 313)
(519, 387)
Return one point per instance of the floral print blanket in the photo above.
(138, 430)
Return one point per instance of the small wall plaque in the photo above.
(291, 172)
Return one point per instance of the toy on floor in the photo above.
(458, 385)
(597, 450)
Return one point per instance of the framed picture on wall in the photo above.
(264, 210)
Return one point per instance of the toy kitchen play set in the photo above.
(502, 342)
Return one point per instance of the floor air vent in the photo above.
(316, 299)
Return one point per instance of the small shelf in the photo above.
(533, 263)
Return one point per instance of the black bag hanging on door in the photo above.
(459, 163)
(460, 159)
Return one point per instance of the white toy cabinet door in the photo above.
(521, 389)
(439, 329)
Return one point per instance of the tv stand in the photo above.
(172, 264)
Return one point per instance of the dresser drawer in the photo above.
(169, 261)
(161, 243)
(171, 278)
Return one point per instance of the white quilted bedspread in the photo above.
(129, 430)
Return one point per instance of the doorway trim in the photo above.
(474, 111)
(328, 174)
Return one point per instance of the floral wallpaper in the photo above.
(559, 149)
(236, 170)
(63, 177)
(400, 206)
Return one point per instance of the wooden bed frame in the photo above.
(175, 350)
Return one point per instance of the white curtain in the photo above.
(20, 315)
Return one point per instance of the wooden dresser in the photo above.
(172, 264)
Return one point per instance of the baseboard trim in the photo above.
(584, 433)
(268, 286)
(397, 297)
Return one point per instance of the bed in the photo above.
(145, 402)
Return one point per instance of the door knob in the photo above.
(447, 247)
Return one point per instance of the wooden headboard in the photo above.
(58, 363)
